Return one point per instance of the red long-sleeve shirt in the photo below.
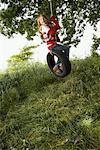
(49, 35)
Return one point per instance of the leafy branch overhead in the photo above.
(20, 16)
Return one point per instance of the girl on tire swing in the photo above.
(48, 29)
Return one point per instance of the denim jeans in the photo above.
(64, 48)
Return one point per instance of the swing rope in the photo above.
(51, 7)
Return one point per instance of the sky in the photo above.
(9, 47)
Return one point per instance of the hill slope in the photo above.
(42, 112)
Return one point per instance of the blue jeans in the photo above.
(64, 48)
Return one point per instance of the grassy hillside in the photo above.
(39, 111)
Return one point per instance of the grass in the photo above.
(42, 112)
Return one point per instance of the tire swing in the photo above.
(64, 65)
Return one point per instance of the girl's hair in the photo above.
(45, 20)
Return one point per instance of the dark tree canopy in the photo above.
(20, 16)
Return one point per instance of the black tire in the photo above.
(63, 59)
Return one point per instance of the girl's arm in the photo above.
(54, 20)
(55, 27)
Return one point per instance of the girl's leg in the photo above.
(57, 48)
(62, 47)
(58, 66)
(66, 50)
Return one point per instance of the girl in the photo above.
(48, 29)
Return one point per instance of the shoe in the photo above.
(61, 67)
(56, 69)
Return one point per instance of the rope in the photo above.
(51, 7)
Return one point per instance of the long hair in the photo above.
(46, 22)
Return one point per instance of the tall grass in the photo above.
(42, 112)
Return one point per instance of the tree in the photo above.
(21, 16)
(95, 46)
(20, 59)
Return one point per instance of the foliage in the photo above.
(21, 15)
(95, 45)
(22, 58)
(42, 112)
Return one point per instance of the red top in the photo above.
(50, 40)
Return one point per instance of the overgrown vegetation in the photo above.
(39, 111)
